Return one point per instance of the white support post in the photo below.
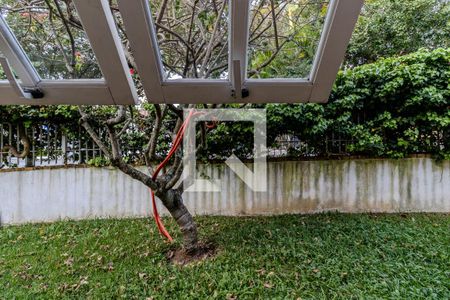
(336, 34)
(12, 80)
(13, 52)
(238, 44)
(141, 34)
(98, 22)
(237, 79)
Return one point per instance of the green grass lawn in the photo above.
(289, 257)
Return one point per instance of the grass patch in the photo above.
(291, 256)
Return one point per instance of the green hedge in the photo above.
(392, 108)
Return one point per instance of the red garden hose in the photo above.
(176, 144)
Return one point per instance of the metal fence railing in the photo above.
(292, 145)
(50, 146)
(53, 145)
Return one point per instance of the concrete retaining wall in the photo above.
(361, 185)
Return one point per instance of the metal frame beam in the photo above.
(336, 34)
(13, 52)
(98, 22)
(72, 92)
(118, 87)
(238, 43)
(138, 21)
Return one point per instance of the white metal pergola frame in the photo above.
(117, 86)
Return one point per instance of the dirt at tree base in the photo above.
(180, 256)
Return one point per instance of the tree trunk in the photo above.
(173, 201)
(171, 198)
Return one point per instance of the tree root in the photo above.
(181, 256)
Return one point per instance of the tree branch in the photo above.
(119, 118)
(274, 22)
(267, 62)
(213, 35)
(85, 122)
(69, 31)
(150, 150)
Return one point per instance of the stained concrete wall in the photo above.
(361, 185)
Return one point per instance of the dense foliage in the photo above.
(396, 106)
(391, 108)
(394, 27)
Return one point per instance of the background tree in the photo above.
(192, 36)
(395, 27)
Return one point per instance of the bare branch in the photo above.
(85, 122)
(69, 31)
(119, 118)
(267, 62)
(135, 174)
(115, 146)
(177, 111)
(115, 157)
(124, 128)
(158, 25)
(176, 176)
(69, 62)
(150, 150)
(191, 26)
(213, 35)
(161, 12)
(274, 22)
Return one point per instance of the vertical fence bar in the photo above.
(10, 141)
(1, 145)
(86, 149)
(48, 145)
(56, 143)
(79, 145)
(64, 147)
(40, 141)
(33, 146)
(17, 144)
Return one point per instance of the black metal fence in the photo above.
(51, 145)
(289, 145)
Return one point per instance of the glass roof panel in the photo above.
(192, 37)
(283, 37)
(2, 74)
(51, 34)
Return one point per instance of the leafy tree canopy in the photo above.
(395, 27)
